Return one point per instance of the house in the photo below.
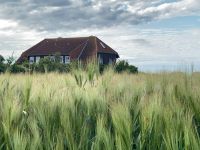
(69, 49)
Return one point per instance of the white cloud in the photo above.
(7, 24)
(45, 9)
(165, 10)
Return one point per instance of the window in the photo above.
(61, 59)
(67, 59)
(52, 58)
(31, 59)
(100, 60)
(37, 59)
(110, 61)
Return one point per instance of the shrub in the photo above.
(47, 65)
(122, 66)
(9, 65)
(16, 68)
(2, 68)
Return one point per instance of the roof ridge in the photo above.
(65, 38)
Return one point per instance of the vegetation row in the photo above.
(48, 65)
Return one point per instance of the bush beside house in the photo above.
(123, 66)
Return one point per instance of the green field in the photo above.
(86, 110)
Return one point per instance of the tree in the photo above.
(10, 60)
(2, 65)
(123, 66)
(1, 59)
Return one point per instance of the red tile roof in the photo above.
(76, 48)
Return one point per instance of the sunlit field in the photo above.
(86, 110)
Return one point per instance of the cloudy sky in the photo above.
(151, 34)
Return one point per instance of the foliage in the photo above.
(47, 65)
(123, 66)
(102, 68)
(2, 68)
(10, 66)
(16, 69)
(2, 65)
(62, 111)
(10, 60)
(1, 59)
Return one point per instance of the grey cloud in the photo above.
(142, 42)
(67, 15)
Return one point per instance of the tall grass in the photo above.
(86, 110)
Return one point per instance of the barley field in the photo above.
(85, 110)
